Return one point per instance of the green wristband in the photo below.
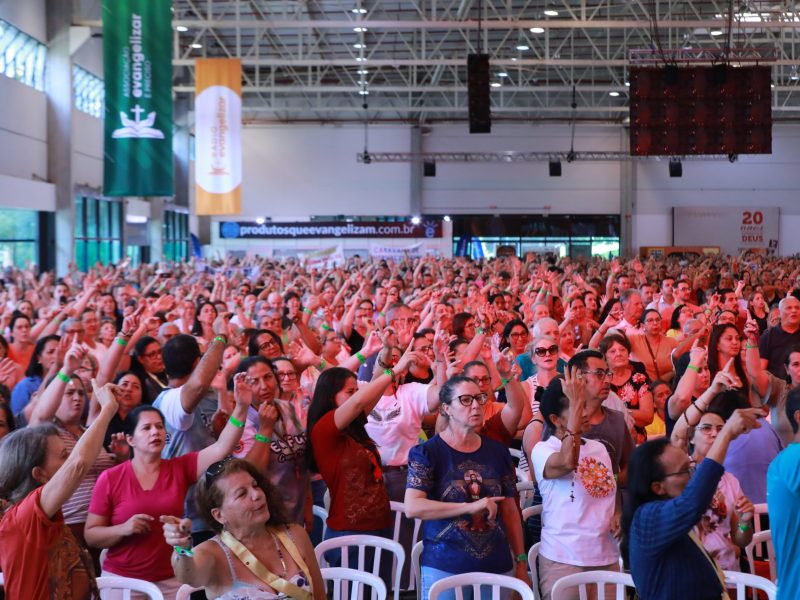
(750, 346)
(220, 338)
(326, 327)
(360, 358)
(744, 527)
(184, 551)
(307, 311)
(322, 365)
(693, 368)
(235, 422)
(63, 377)
(389, 372)
(521, 558)
(263, 438)
(480, 330)
(122, 341)
(504, 382)
(381, 313)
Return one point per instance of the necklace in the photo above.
(280, 554)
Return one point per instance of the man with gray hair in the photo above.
(775, 341)
(632, 309)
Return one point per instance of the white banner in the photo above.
(733, 229)
(324, 259)
(397, 254)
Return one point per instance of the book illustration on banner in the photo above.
(137, 128)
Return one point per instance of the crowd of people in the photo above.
(176, 423)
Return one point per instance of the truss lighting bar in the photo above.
(511, 157)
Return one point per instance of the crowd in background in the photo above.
(185, 418)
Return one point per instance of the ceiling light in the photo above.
(359, 29)
(197, 45)
(627, 84)
(364, 92)
(359, 45)
(446, 218)
(359, 11)
(182, 28)
(715, 32)
(362, 82)
(537, 29)
(415, 220)
(360, 58)
(502, 74)
(362, 72)
(522, 47)
(136, 219)
(793, 74)
(495, 84)
(260, 221)
(613, 94)
(514, 58)
(551, 13)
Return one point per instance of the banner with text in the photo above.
(318, 229)
(218, 136)
(137, 65)
(733, 229)
(324, 259)
(398, 254)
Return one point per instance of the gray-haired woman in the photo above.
(39, 556)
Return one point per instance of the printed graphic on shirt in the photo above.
(386, 415)
(717, 513)
(289, 447)
(597, 480)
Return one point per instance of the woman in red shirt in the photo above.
(344, 454)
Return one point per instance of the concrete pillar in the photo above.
(155, 229)
(627, 204)
(58, 89)
(415, 196)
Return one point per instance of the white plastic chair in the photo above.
(2, 580)
(128, 585)
(760, 509)
(399, 510)
(362, 542)
(525, 491)
(515, 454)
(595, 578)
(416, 553)
(531, 511)
(320, 513)
(533, 554)
(340, 575)
(765, 538)
(185, 592)
(742, 581)
(326, 501)
(475, 581)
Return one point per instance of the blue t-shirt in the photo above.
(749, 457)
(783, 498)
(22, 392)
(468, 542)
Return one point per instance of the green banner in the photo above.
(137, 58)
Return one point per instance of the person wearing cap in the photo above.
(576, 479)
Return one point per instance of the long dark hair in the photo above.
(506, 341)
(674, 322)
(35, 368)
(644, 469)
(713, 355)
(330, 383)
(252, 343)
(610, 303)
(197, 328)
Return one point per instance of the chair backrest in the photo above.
(128, 585)
(742, 581)
(326, 501)
(2, 580)
(416, 553)
(362, 542)
(531, 511)
(533, 554)
(185, 592)
(399, 510)
(516, 454)
(475, 581)
(320, 513)
(525, 491)
(760, 509)
(562, 588)
(339, 575)
(762, 539)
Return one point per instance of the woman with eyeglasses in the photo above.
(653, 348)
(265, 343)
(129, 499)
(460, 484)
(630, 382)
(148, 364)
(668, 498)
(544, 355)
(515, 336)
(726, 527)
(257, 552)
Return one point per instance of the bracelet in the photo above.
(389, 372)
(123, 334)
(122, 341)
(743, 527)
(184, 551)
(307, 311)
(360, 358)
(697, 408)
(540, 421)
(235, 422)
(322, 365)
(220, 338)
(693, 368)
(263, 438)
(63, 377)
(749, 346)
(326, 327)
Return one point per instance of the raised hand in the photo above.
(242, 390)
(107, 395)
(742, 421)
(267, 416)
(220, 326)
(8, 372)
(118, 446)
(177, 532)
(74, 357)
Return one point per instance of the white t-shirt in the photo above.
(577, 532)
(396, 420)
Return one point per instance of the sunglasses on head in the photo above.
(551, 350)
(216, 469)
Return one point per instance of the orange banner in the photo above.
(218, 136)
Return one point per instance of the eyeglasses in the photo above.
(153, 354)
(687, 471)
(468, 399)
(287, 375)
(551, 350)
(706, 428)
(480, 380)
(216, 469)
(600, 373)
(424, 349)
(516, 336)
(267, 344)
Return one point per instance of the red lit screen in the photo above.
(700, 110)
